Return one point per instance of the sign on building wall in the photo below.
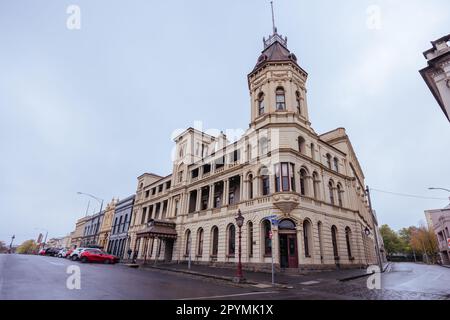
(448, 242)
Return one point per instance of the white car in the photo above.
(62, 253)
(75, 255)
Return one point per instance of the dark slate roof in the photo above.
(275, 52)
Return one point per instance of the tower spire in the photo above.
(273, 19)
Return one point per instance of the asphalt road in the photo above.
(37, 277)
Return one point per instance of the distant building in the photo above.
(77, 235)
(439, 220)
(105, 228)
(437, 74)
(118, 240)
(92, 229)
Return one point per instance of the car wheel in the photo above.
(84, 259)
(74, 258)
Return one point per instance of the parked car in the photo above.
(97, 255)
(53, 252)
(75, 255)
(68, 253)
(62, 253)
(42, 252)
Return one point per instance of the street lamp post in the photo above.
(101, 208)
(239, 222)
(443, 189)
(10, 245)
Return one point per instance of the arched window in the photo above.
(331, 191)
(250, 186)
(263, 146)
(267, 241)
(265, 188)
(200, 242)
(303, 183)
(188, 243)
(231, 239)
(336, 164)
(301, 145)
(339, 194)
(316, 184)
(215, 241)
(298, 98)
(261, 108)
(250, 238)
(329, 160)
(348, 239)
(334, 241)
(319, 230)
(307, 237)
(280, 99)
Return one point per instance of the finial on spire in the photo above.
(273, 19)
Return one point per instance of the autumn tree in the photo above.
(27, 247)
(423, 240)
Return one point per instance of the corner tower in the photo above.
(277, 86)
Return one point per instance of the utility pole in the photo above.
(375, 231)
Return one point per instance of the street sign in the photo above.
(273, 219)
(448, 242)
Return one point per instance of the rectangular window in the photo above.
(277, 178)
(285, 176)
(292, 177)
(144, 213)
(265, 186)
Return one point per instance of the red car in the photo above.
(42, 252)
(68, 253)
(97, 255)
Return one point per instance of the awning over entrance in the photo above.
(159, 229)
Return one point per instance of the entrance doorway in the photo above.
(168, 250)
(288, 244)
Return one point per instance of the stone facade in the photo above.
(106, 224)
(437, 73)
(118, 241)
(439, 220)
(91, 230)
(312, 184)
(77, 234)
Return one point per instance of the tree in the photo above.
(27, 247)
(392, 242)
(423, 240)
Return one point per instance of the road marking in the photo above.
(55, 263)
(230, 295)
(262, 286)
(308, 283)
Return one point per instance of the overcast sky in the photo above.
(91, 109)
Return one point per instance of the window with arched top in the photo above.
(261, 108)
(336, 164)
(301, 145)
(280, 99)
(340, 191)
(348, 240)
(215, 241)
(200, 242)
(266, 227)
(303, 184)
(231, 240)
(328, 160)
(316, 184)
(298, 99)
(334, 241)
(188, 243)
(307, 237)
(250, 238)
(331, 191)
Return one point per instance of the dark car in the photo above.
(53, 252)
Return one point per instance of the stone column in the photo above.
(199, 197)
(241, 188)
(211, 196)
(225, 193)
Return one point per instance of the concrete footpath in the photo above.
(282, 279)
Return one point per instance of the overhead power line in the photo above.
(407, 195)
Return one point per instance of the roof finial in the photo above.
(273, 19)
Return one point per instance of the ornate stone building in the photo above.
(313, 184)
(106, 224)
